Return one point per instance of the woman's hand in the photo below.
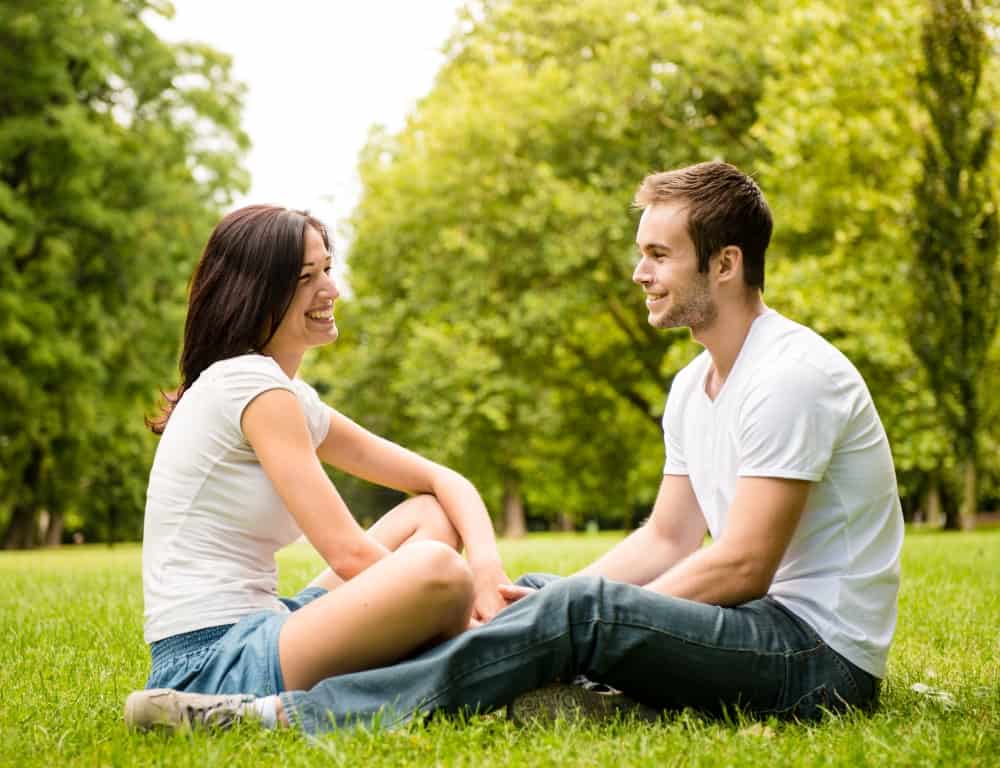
(488, 579)
(511, 593)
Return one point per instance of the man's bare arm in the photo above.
(741, 565)
(674, 530)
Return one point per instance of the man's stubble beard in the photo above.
(693, 308)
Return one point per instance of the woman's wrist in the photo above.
(485, 562)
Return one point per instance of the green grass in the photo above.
(71, 650)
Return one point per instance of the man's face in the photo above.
(677, 294)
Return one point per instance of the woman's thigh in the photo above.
(419, 594)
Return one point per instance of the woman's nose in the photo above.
(332, 288)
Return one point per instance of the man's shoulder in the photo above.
(787, 349)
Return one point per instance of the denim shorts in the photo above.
(232, 658)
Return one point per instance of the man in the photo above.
(773, 446)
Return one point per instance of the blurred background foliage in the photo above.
(491, 322)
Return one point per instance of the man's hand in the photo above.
(488, 579)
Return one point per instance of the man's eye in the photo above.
(328, 269)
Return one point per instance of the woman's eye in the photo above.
(328, 269)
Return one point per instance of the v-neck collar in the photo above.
(736, 363)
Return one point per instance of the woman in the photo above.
(237, 476)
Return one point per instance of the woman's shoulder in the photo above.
(239, 379)
(249, 365)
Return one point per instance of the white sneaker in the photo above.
(170, 710)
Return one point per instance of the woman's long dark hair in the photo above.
(240, 290)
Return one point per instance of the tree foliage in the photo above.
(956, 305)
(493, 248)
(495, 325)
(117, 151)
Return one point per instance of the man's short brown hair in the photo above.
(725, 207)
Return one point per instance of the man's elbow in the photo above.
(754, 577)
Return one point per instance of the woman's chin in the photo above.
(330, 336)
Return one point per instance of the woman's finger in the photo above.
(512, 592)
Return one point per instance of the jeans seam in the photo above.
(847, 675)
(716, 646)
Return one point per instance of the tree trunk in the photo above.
(934, 516)
(513, 509)
(54, 531)
(970, 496)
(22, 530)
(564, 522)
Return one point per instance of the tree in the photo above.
(496, 324)
(117, 151)
(493, 247)
(838, 121)
(956, 305)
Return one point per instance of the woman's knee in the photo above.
(433, 523)
(441, 573)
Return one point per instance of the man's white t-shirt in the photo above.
(213, 518)
(794, 407)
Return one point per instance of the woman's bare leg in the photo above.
(421, 592)
(419, 518)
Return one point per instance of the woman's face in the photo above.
(309, 320)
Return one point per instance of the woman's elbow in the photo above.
(350, 559)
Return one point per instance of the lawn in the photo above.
(71, 623)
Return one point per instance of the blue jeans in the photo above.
(662, 651)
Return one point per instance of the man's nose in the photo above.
(639, 274)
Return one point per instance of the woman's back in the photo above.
(213, 518)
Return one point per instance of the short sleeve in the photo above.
(673, 430)
(244, 380)
(788, 426)
(316, 411)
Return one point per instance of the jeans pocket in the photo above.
(819, 682)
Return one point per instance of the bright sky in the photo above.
(319, 73)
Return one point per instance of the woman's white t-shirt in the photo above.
(794, 407)
(213, 518)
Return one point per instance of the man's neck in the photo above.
(724, 338)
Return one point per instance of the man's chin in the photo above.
(662, 322)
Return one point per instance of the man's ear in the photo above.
(729, 264)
